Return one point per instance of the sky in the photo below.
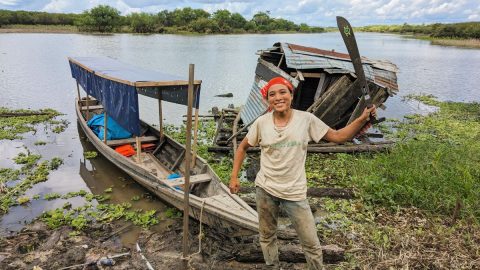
(312, 12)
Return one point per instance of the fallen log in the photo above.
(342, 193)
(288, 253)
(18, 114)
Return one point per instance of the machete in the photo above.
(349, 38)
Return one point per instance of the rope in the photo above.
(189, 257)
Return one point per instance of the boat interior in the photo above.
(162, 157)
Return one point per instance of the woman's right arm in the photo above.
(237, 163)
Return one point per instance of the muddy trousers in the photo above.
(299, 212)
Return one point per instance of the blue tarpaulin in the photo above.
(114, 130)
(117, 85)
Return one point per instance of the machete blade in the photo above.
(348, 36)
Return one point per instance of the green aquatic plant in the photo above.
(71, 194)
(23, 200)
(90, 154)
(51, 196)
(8, 174)
(173, 213)
(30, 174)
(15, 122)
(39, 143)
(55, 163)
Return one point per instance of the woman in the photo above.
(283, 135)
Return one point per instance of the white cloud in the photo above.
(9, 2)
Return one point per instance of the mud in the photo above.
(37, 247)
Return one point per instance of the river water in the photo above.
(34, 73)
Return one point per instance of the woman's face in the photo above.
(279, 97)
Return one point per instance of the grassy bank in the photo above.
(20, 28)
(413, 203)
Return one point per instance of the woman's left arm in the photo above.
(345, 134)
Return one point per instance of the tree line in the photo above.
(465, 30)
(105, 18)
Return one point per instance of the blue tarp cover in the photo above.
(113, 84)
(114, 130)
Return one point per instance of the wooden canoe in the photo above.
(210, 200)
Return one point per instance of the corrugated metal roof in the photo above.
(255, 105)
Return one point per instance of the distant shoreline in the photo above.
(68, 29)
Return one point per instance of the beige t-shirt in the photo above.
(283, 153)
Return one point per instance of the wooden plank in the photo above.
(94, 107)
(320, 87)
(308, 74)
(194, 179)
(131, 140)
(327, 107)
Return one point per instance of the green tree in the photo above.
(5, 17)
(204, 25)
(102, 18)
(304, 28)
(237, 21)
(222, 17)
(142, 22)
(183, 17)
(250, 26)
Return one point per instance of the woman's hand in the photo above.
(367, 112)
(234, 185)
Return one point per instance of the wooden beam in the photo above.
(87, 116)
(307, 74)
(78, 93)
(139, 148)
(105, 127)
(186, 174)
(160, 116)
(195, 134)
(194, 179)
(132, 140)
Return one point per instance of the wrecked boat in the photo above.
(149, 156)
(326, 86)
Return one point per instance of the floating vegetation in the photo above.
(39, 143)
(55, 163)
(78, 218)
(15, 122)
(52, 196)
(135, 198)
(108, 190)
(23, 200)
(173, 213)
(29, 174)
(90, 154)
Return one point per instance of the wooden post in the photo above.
(105, 126)
(139, 148)
(195, 133)
(160, 116)
(78, 93)
(186, 175)
(234, 130)
(87, 116)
